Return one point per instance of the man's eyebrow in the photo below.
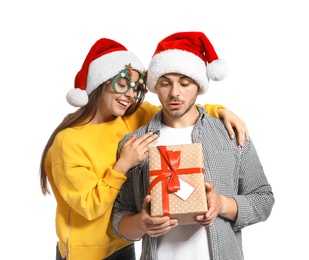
(164, 77)
(184, 77)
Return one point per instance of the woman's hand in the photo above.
(135, 151)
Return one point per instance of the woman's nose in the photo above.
(129, 93)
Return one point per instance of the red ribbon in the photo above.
(168, 175)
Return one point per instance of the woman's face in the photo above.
(113, 104)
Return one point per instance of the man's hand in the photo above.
(155, 226)
(213, 207)
(217, 205)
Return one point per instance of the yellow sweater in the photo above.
(79, 168)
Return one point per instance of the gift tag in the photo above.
(185, 190)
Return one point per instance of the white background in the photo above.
(43, 45)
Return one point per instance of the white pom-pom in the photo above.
(77, 97)
(217, 70)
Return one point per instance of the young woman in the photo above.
(79, 159)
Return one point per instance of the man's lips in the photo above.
(175, 105)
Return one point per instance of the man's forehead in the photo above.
(172, 75)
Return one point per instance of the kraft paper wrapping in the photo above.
(190, 168)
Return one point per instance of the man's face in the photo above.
(177, 94)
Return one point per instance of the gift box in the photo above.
(176, 178)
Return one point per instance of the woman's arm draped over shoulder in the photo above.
(234, 125)
(212, 110)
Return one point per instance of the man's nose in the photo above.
(175, 91)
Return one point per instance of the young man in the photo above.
(237, 190)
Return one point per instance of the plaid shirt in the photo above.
(235, 172)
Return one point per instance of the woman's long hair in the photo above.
(81, 116)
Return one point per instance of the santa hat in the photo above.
(105, 60)
(188, 53)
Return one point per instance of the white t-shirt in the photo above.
(184, 241)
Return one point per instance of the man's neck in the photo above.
(186, 120)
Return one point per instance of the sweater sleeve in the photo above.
(142, 116)
(212, 110)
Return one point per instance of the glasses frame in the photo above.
(126, 73)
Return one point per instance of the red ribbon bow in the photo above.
(168, 175)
